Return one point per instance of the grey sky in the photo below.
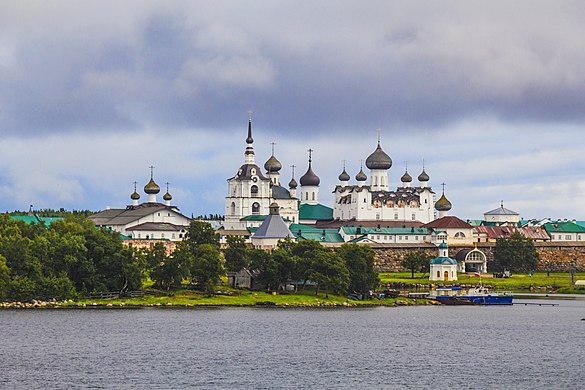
(489, 93)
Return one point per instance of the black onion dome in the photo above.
(292, 183)
(272, 165)
(406, 178)
(167, 196)
(361, 176)
(423, 176)
(309, 178)
(151, 187)
(378, 159)
(443, 204)
(135, 195)
(344, 176)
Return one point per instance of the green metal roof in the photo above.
(563, 227)
(28, 219)
(317, 212)
(254, 218)
(305, 232)
(444, 260)
(353, 230)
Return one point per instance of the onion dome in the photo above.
(272, 165)
(135, 195)
(344, 176)
(361, 176)
(378, 159)
(406, 178)
(151, 187)
(292, 184)
(309, 178)
(167, 196)
(423, 176)
(443, 204)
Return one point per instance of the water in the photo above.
(408, 347)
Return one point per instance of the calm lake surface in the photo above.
(521, 347)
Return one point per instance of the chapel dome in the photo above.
(135, 195)
(292, 183)
(443, 204)
(423, 176)
(272, 165)
(344, 176)
(167, 196)
(361, 176)
(151, 187)
(309, 178)
(406, 178)
(378, 159)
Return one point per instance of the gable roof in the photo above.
(448, 222)
(130, 214)
(317, 212)
(564, 227)
(495, 232)
(501, 211)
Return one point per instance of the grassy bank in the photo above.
(227, 297)
(517, 282)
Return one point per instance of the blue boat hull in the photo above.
(477, 299)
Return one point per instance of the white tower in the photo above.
(310, 185)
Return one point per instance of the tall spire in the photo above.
(249, 141)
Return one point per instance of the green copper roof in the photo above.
(444, 260)
(563, 227)
(254, 218)
(353, 230)
(28, 219)
(305, 232)
(317, 212)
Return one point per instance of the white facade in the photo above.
(443, 268)
(502, 215)
(251, 193)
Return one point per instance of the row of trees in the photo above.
(72, 257)
(349, 268)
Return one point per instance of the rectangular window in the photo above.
(568, 237)
(413, 217)
(415, 238)
(399, 238)
(405, 238)
(396, 216)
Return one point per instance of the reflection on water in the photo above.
(421, 347)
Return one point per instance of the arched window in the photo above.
(233, 209)
(438, 274)
(459, 235)
(312, 196)
(254, 191)
(256, 208)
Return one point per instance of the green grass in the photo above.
(517, 282)
(232, 297)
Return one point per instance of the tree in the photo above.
(200, 233)
(516, 253)
(206, 267)
(360, 264)
(265, 268)
(415, 260)
(329, 271)
(166, 271)
(4, 279)
(236, 254)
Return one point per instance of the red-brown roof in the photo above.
(495, 232)
(448, 222)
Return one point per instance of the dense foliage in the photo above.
(63, 260)
(72, 257)
(416, 261)
(516, 253)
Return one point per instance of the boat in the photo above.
(474, 296)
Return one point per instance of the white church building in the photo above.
(250, 192)
(374, 201)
